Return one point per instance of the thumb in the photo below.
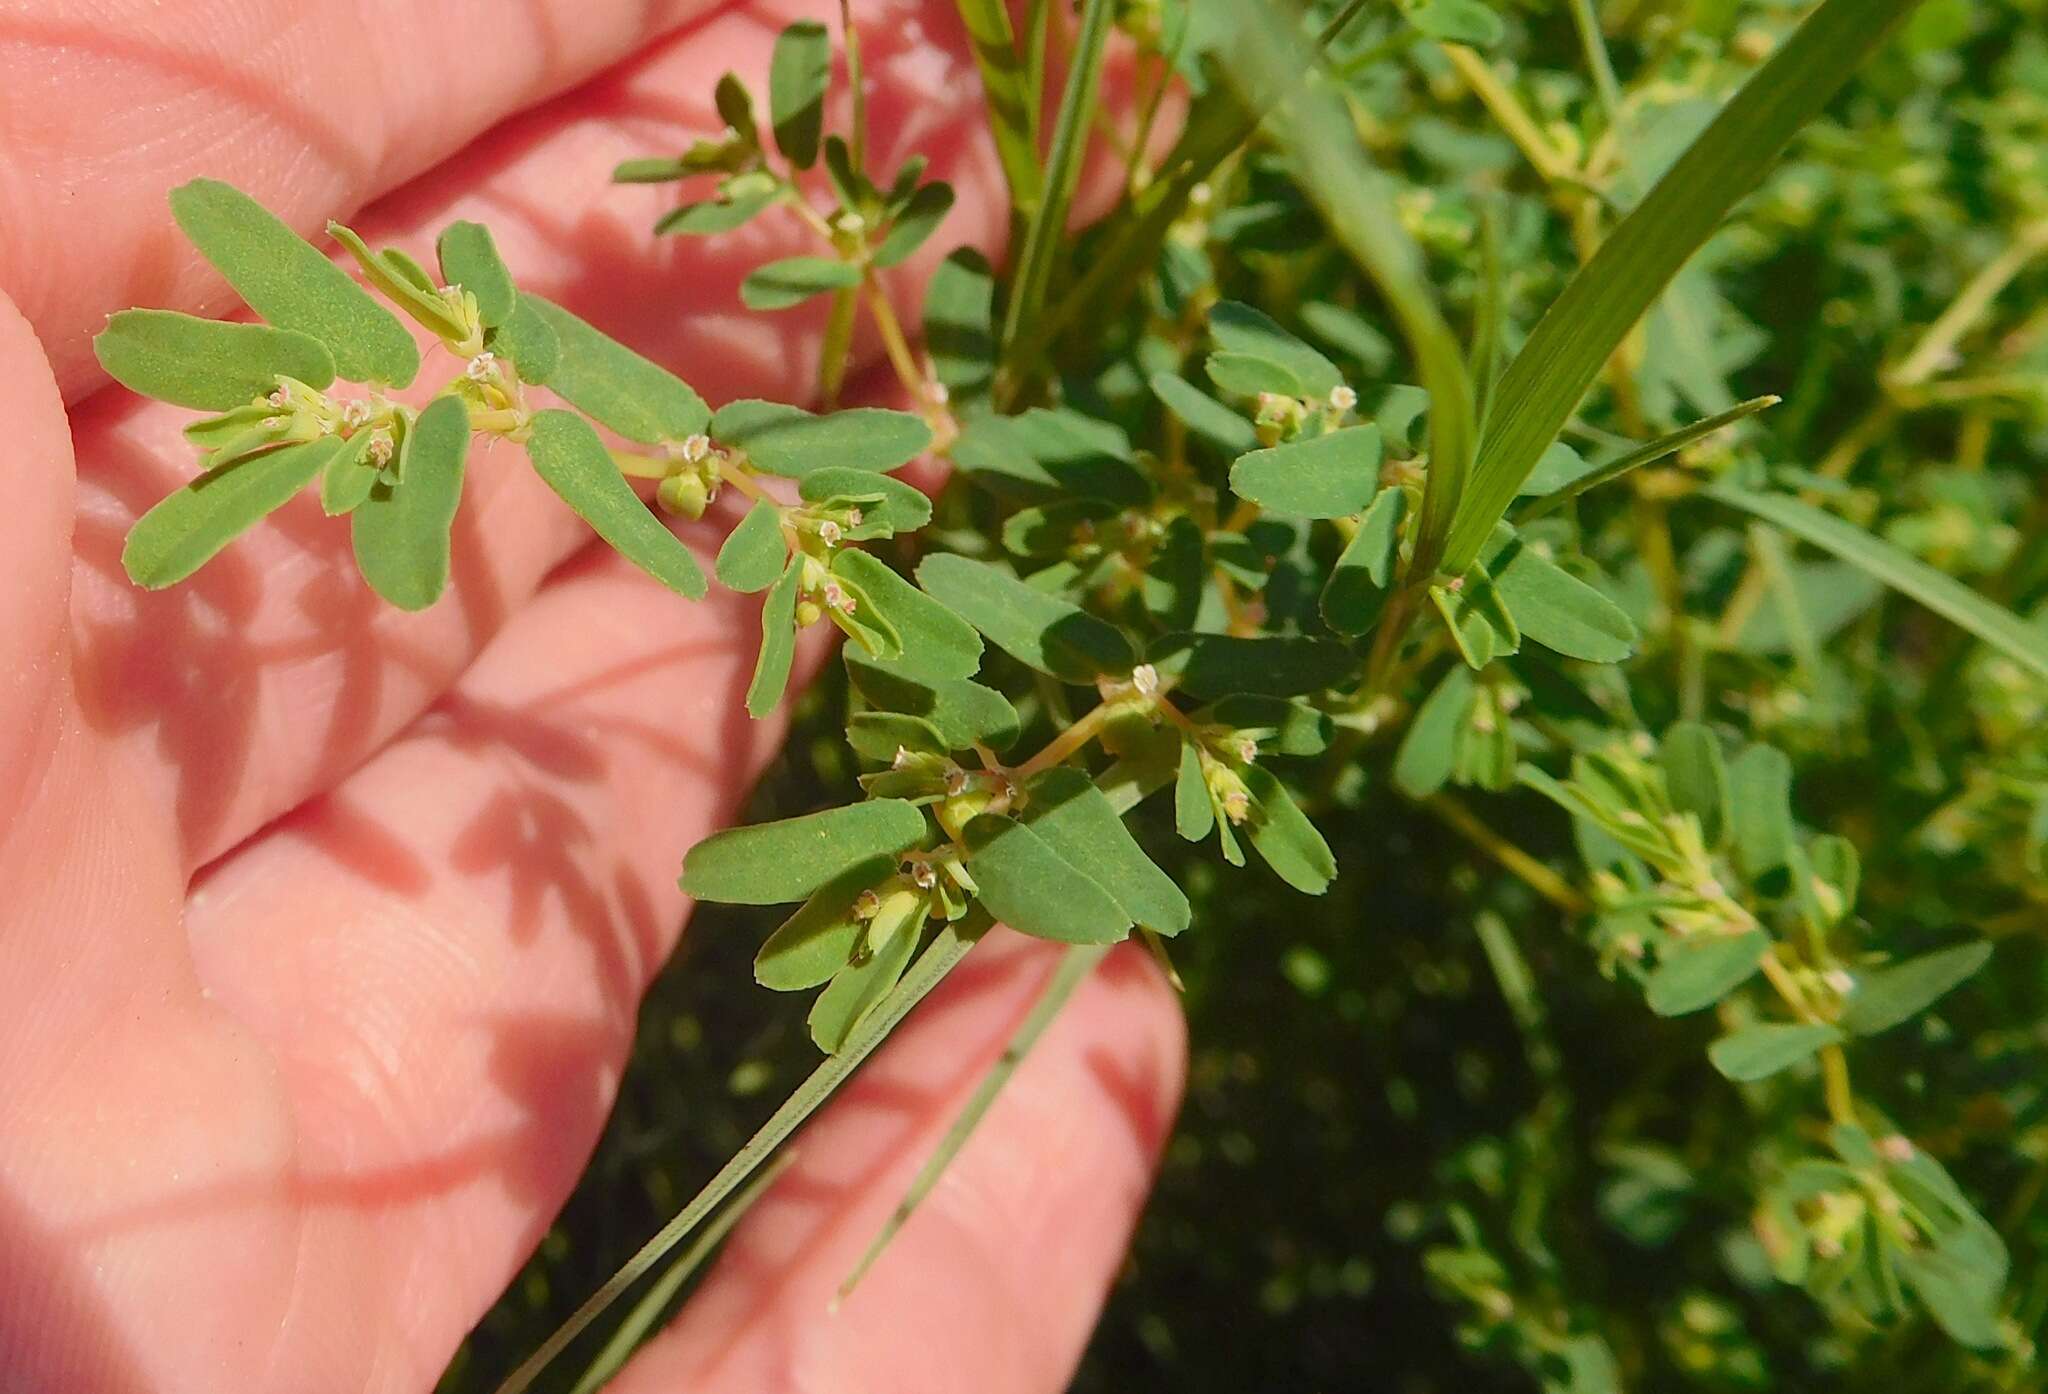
(35, 538)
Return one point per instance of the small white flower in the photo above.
(1247, 749)
(837, 598)
(696, 448)
(1145, 678)
(922, 874)
(828, 533)
(481, 367)
(380, 450)
(355, 413)
(1841, 980)
(866, 903)
(1342, 397)
(956, 779)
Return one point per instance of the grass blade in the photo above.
(1941, 593)
(1047, 230)
(1560, 359)
(938, 959)
(1074, 967)
(1358, 205)
(647, 1311)
(1642, 455)
(1006, 85)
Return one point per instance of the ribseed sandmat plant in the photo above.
(1218, 583)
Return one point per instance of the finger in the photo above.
(314, 109)
(996, 1280)
(35, 533)
(274, 671)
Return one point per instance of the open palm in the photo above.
(322, 925)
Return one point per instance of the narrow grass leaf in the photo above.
(189, 528)
(401, 531)
(1006, 84)
(285, 279)
(1993, 623)
(206, 364)
(610, 383)
(1576, 336)
(1592, 477)
(569, 457)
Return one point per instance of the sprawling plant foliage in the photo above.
(1381, 460)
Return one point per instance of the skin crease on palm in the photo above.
(324, 925)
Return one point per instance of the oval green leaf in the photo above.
(186, 530)
(775, 863)
(206, 364)
(401, 530)
(566, 453)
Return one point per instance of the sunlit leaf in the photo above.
(777, 654)
(1042, 631)
(754, 553)
(1069, 812)
(937, 645)
(607, 381)
(401, 531)
(187, 529)
(1015, 869)
(774, 863)
(567, 454)
(1328, 476)
(793, 280)
(203, 363)
(790, 441)
(469, 259)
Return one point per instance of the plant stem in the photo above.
(1533, 873)
(1066, 743)
(1597, 60)
(1513, 118)
(1935, 345)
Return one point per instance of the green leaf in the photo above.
(774, 863)
(754, 554)
(1429, 750)
(1700, 972)
(405, 283)
(1329, 476)
(1038, 630)
(799, 71)
(1078, 820)
(349, 476)
(714, 216)
(1482, 626)
(1890, 996)
(1284, 836)
(1194, 816)
(1044, 455)
(469, 259)
(401, 531)
(1760, 792)
(1034, 890)
(1203, 414)
(1357, 589)
(915, 224)
(964, 713)
(1941, 593)
(1457, 22)
(567, 454)
(1054, 529)
(528, 341)
(1241, 330)
(1759, 1051)
(1011, 94)
(793, 280)
(1280, 726)
(1581, 330)
(288, 282)
(819, 939)
(186, 530)
(1213, 665)
(1174, 579)
(878, 736)
(1696, 777)
(778, 642)
(204, 363)
(607, 381)
(792, 442)
(959, 326)
(891, 506)
(938, 645)
(860, 987)
(1558, 610)
(1242, 375)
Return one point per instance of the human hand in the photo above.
(324, 924)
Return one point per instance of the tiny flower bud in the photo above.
(939, 395)
(1455, 584)
(923, 876)
(1247, 749)
(280, 398)
(380, 449)
(683, 495)
(902, 759)
(866, 903)
(1896, 1148)
(481, 367)
(853, 517)
(696, 448)
(828, 533)
(837, 598)
(1237, 805)
(808, 613)
(956, 779)
(1343, 398)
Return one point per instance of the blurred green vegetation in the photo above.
(1427, 1145)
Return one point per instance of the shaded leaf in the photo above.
(754, 553)
(1214, 665)
(1284, 836)
(937, 645)
(1700, 972)
(1558, 610)
(818, 940)
(1891, 996)
(1194, 816)
(799, 70)
(860, 987)
(1038, 630)
(1240, 329)
(793, 280)
(778, 642)
(1204, 415)
(1357, 589)
(1078, 821)
(915, 224)
(1758, 1051)
(1696, 777)
(1030, 887)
